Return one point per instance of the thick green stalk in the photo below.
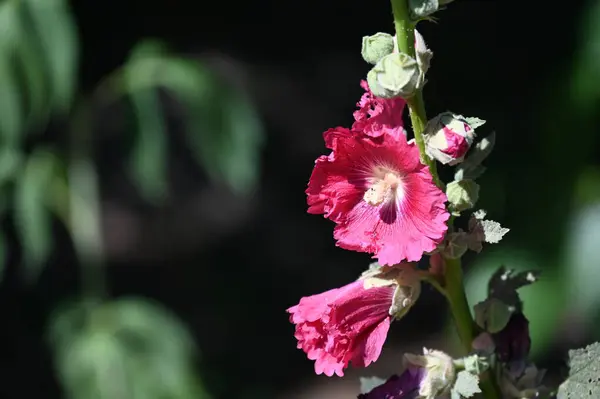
(454, 289)
(405, 37)
(457, 299)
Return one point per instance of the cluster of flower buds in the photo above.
(395, 74)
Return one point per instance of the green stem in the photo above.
(454, 289)
(459, 306)
(405, 37)
(461, 312)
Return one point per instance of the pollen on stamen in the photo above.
(386, 187)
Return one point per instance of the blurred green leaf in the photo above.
(150, 151)
(56, 33)
(11, 112)
(29, 59)
(32, 218)
(129, 348)
(224, 130)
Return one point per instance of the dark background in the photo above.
(230, 266)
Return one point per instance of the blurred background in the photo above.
(153, 162)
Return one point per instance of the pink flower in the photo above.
(450, 139)
(375, 114)
(379, 194)
(343, 325)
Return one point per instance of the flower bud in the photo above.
(395, 75)
(448, 137)
(441, 372)
(377, 46)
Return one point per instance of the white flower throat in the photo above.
(385, 185)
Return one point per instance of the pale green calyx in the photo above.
(462, 195)
(377, 46)
(395, 75)
(405, 279)
(424, 8)
(424, 56)
(441, 372)
(492, 315)
(456, 244)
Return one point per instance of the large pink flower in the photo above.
(379, 194)
(343, 325)
(375, 114)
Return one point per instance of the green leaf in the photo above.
(224, 130)
(367, 384)
(11, 161)
(474, 122)
(481, 230)
(56, 34)
(465, 386)
(32, 218)
(129, 348)
(462, 194)
(471, 168)
(11, 112)
(149, 158)
(492, 315)
(505, 282)
(584, 374)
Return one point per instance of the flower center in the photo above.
(385, 186)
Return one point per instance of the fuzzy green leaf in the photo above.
(584, 374)
(471, 168)
(465, 386)
(462, 194)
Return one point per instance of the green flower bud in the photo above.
(377, 46)
(395, 75)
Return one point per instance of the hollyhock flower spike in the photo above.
(379, 194)
(350, 324)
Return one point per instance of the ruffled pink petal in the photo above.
(392, 233)
(370, 348)
(457, 144)
(376, 114)
(344, 325)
